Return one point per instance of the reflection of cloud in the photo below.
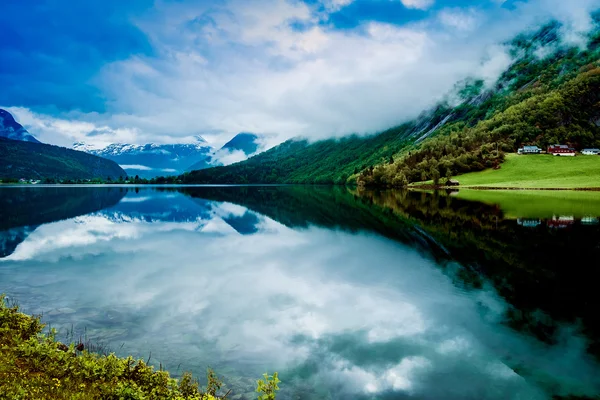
(337, 309)
(229, 209)
(219, 226)
(78, 232)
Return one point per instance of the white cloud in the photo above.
(137, 166)
(226, 156)
(462, 20)
(74, 127)
(419, 4)
(334, 5)
(241, 66)
(146, 168)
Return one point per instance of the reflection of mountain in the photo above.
(21, 206)
(11, 238)
(151, 206)
(162, 205)
(245, 224)
(534, 268)
(301, 207)
(23, 209)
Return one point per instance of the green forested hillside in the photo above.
(29, 160)
(538, 100)
(298, 161)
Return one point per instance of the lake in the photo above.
(346, 293)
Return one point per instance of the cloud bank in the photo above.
(287, 68)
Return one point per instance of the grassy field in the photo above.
(538, 203)
(539, 171)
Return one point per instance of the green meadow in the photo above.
(539, 171)
(538, 203)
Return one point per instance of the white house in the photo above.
(590, 152)
(529, 150)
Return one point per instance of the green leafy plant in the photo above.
(33, 365)
(268, 386)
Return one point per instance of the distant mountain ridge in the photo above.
(24, 157)
(151, 160)
(32, 160)
(11, 129)
(244, 142)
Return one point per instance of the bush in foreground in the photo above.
(34, 365)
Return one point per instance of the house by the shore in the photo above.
(561, 150)
(529, 150)
(590, 152)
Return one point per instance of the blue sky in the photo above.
(165, 70)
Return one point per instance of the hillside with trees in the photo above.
(29, 160)
(549, 94)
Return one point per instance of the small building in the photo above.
(529, 150)
(560, 222)
(590, 152)
(590, 221)
(561, 150)
(529, 222)
(452, 182)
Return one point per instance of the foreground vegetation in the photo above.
(539, 171)
(34, 365)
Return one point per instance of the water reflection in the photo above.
(347, 294)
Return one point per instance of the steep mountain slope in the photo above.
(298, 161)
(150, 160)
(11, 129)
(550, 93)
(540, 100)
(242, 144)
(245, 142)
(30, 160)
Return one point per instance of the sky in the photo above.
(163, 71)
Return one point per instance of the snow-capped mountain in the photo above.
(150, 160)
(239, 148)
(11, 129)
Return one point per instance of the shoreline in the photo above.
(433, 187)
(578, 189)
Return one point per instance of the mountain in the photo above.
(241, 145)
(151, 160)
(30, 160)
(549, 94)
(246, 142)
(299, 161)
(11, 129)
(22, 211)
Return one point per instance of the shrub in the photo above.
(34, 365)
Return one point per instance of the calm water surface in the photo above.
(348, 294)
